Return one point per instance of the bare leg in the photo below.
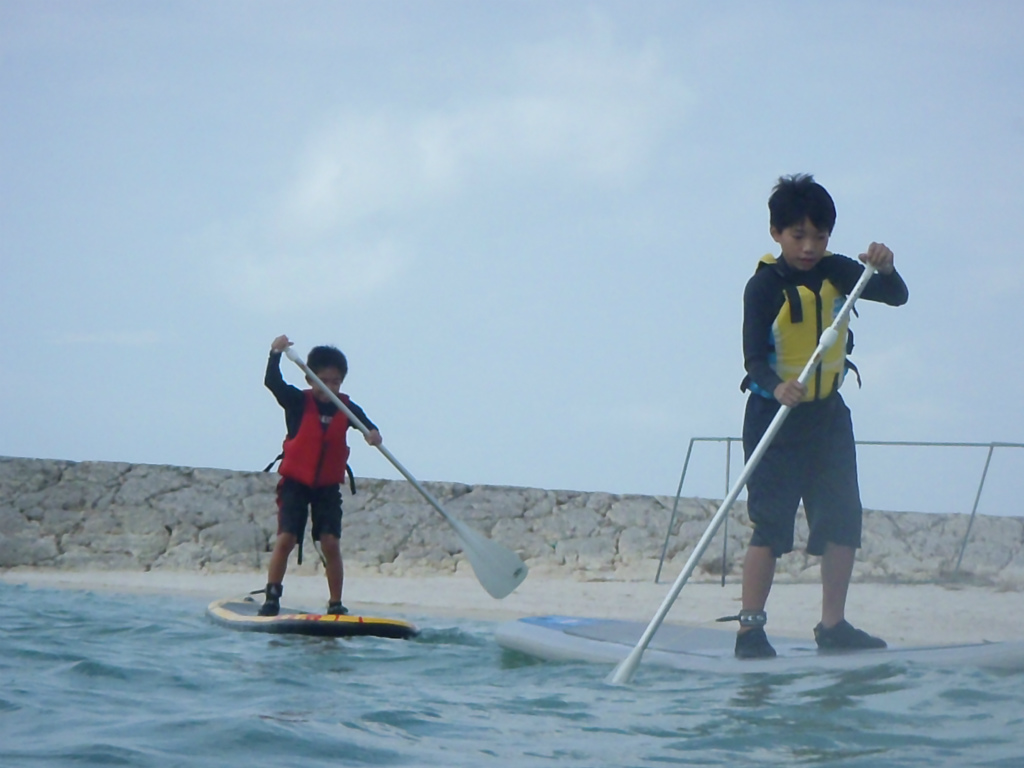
(333, 568)
(279, 559)
(836, 571)
(758, 574)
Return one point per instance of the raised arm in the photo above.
(290, 398)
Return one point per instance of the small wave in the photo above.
(146, 682)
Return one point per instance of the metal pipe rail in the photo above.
(728, 463)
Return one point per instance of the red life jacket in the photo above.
(316, 456)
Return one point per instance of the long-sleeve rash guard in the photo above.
(765, 295)
(293, 400)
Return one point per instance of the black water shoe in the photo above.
(753, 644)
(845, 637)
(336, 609)
(272, 605)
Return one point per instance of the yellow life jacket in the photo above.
(796, 332)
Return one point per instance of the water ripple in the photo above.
(144, 681)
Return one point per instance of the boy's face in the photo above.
(330, 376)
(803, 244)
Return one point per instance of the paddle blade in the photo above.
(498, 569)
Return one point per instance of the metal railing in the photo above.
(728, 466)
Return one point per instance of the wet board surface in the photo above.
(609, 641)
(243, 614)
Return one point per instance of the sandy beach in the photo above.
(902, 614)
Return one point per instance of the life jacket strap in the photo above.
(796, 307)
(271, 464)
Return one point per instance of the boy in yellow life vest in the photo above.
(787, 304)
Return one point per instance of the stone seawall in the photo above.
(113, 516)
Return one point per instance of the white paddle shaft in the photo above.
(498, 569)
(294, 357)
(625, 670)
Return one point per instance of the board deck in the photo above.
(243, 614)
(564, 638)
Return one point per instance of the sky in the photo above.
(528, 224)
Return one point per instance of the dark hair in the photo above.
(327, 357)
(799, 197)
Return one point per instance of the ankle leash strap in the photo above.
(748, 619)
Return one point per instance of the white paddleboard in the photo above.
(609, 641)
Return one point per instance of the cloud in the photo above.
(592, 115)
(586, 112)
(110, 339)
(288, 279)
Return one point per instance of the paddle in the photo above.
(498, 569)
(625, 670)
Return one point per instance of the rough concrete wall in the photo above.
(102, 515)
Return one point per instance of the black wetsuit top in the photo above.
(765, 295)
(293, 400)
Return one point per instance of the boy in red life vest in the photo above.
(312, 468)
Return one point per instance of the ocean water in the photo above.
(109, 680)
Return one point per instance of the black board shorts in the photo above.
(814, 458)
(294, 502)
